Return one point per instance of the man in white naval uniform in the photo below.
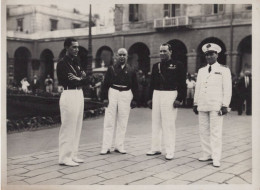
(119, 92)
(167, 90)
(211, 101)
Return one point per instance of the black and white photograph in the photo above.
(113, 94)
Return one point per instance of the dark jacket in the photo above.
(36, 85)
(168, 76)
(65, 66)
(244, 91)
(118, 76)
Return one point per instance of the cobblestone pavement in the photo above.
(135, 168)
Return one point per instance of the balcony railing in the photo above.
(172, 22)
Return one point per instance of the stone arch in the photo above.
(83, 57)
(22, 58)
(201, 60)
(104, 54)
(139, 57)
(244, 50)
(179, 52)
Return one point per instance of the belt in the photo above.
(120, 88)
(166, 89)
(73, 88)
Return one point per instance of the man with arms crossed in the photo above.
(71, 77)
(167, 91)
(211, 100)
(119, 92)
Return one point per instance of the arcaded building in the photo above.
(140, 28)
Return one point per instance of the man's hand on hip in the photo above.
(133, 104)
(105, 102)
(223, 110)
(195, 110)
(150, 104)
(176, 104)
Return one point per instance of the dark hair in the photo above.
(169, 46)
(68, 42)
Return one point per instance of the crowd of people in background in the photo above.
(33, 86)
(241, 89)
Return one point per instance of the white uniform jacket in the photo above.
(213, 89)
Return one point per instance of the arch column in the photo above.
(55, 78)
(191, 62)
(234, 65)
(154, 58)
(10, 70)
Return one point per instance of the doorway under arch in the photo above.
(104, 55)
(139, 57)
(46, 58)
(22, 57)
(245, 55)
(179, 52)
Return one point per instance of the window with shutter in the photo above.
(20, 24)
(217, 8)
(54, 24)
(133, 13)
(172, 10)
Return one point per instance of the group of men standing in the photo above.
(167, 92)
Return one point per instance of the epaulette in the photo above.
(203, 66)
(224, 65)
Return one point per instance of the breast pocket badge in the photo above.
(172, 66)
(218, 73)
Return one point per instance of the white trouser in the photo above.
(117, 111)
(163, 120)
(210, 128)
(71, 110)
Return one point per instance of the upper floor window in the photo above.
(248, 7)
(133, 12)
(218, 8)
(54, 24)
(171, 10)
(76, 25)
(20, 24)
(76, 11)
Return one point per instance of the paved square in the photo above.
(135, 168)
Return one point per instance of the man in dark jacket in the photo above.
(119, 92)
(72, 78)
(244, 88)
(167, 91)
(35, 84)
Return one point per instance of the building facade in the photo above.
(140, 28)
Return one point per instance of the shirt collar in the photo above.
(123, 66)
(214, 65)
(118, 66)
(69, 58)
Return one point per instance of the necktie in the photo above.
(209, 68)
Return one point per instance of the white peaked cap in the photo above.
(211, 47)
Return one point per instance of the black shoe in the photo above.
(120, 151)
(104, 152)
(153, 153)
